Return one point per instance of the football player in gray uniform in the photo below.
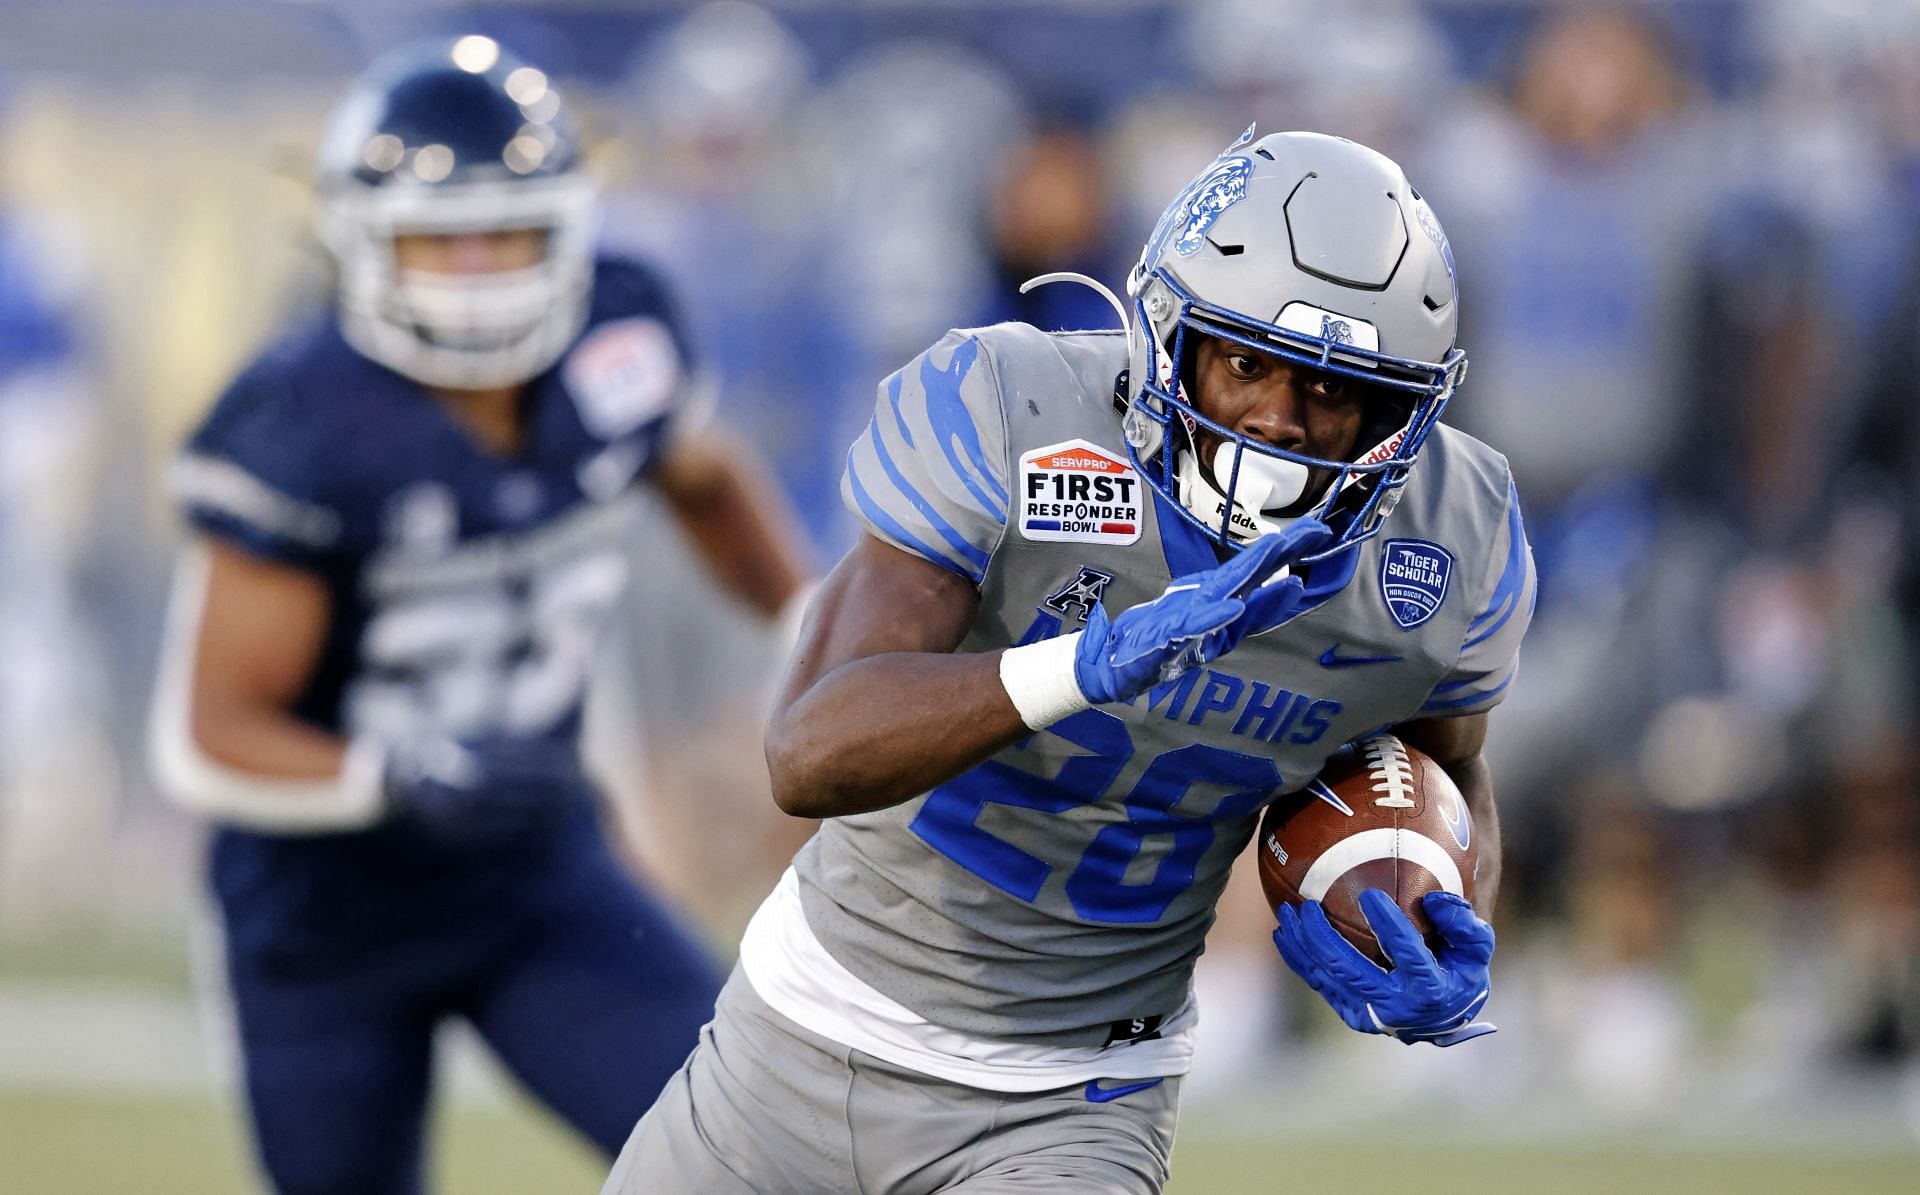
(1119, 591)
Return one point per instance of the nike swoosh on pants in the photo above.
(1101, 1095)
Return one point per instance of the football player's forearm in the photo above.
(741, 525)
(1475, 779)
(747, 540)
(266, 742)
(1456, 745)
(252, 766)
(886, 728)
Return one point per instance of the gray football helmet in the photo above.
(1306, 247)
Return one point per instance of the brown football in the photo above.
(1381, 815)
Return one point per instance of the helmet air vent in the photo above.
(1345, 231)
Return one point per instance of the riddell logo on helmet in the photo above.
(1076, 491)
(1385, 450)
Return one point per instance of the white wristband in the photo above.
(1039, 679)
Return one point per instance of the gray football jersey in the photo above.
(1060, 892)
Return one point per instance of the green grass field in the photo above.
(109, 1145)
(1217, 1166)
(83, 1145)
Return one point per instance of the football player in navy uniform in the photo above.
(409, 521)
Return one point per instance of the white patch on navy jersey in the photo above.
(422, 520)
(622, 374)
(1079, 493)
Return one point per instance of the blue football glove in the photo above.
(1200, 617)
(484, 789)
(1270, 603)
(1424, 997)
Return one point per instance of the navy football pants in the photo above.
(585, 988)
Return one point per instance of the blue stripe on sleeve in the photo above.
(948, 414)
(904, 488)
(886, 523)
(1506, 593)
(1471, 699)
(899, 418)
(997, 510)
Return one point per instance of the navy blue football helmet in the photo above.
(449, 137)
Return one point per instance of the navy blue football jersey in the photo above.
(468, 588)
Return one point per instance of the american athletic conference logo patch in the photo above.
(1413, 579)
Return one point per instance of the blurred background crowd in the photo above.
(1689, 246)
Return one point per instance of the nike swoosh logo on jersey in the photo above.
(1331, 658)
(1102, 1095)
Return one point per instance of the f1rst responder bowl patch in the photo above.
(1075, 491)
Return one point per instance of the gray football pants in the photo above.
(765, 1107)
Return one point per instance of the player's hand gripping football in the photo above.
(1200, 617)
(1425, 997)
(480, 789)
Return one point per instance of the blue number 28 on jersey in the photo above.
(1098, 887)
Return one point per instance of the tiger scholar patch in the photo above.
(1414, 575)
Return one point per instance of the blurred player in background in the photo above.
(976, 977)
(411, 515)
(56, 761)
